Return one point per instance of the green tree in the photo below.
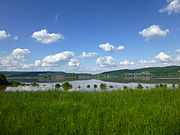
(57, 86)
(103, 86)
(95, 86)
(173, 86)
(66, 86)
(88, 86)
(3, 80)
(34, 84)
(140, 86)
(125, 87)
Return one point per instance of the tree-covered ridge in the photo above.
(169, 71)
(151, 71)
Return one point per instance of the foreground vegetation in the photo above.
(117, 112)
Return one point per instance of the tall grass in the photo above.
(133, 112)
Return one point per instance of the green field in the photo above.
(132, 112)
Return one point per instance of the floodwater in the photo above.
(82, 83)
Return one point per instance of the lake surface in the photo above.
(81, 83)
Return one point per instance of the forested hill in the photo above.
(151, 71)
(154, 71)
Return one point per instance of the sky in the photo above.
(88, 36)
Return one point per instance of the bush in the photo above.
(88, 86)
(34, 84)
(125, 87)
(173, 86)
(95, 86)
(3, 80)
(79, 87)
(57, 86)
(110, 86)
(14, 83)
(103, 86)
(66, 86)
(140, 86)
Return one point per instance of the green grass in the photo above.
(131, 112)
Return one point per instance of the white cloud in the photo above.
(106, 61)
(125, 62)
(74, 63)
(37, 63)
(44, 37)
(153, 31)
(16, 38)
(147, 62)
(20, 52)
(163, 57)
(88, 55)
(177, 58)
(14, 60)
(107, 47)
(173, 6)
(119, 48)
(177, 50)
(4, 35)
(58, 58)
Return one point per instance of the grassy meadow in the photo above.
(128, 112)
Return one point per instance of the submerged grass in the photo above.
(133, 112)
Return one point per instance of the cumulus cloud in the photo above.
(177, 59)
(147, 62)
(119, 48)
(153, 31)
(74, 63)
(163, 57)
(106, 61)
(4, 35)
(44, 37)
(107, 47)
(125, 62)
(177, 50)
(88, 55)
(20, 52)
(37, 63)
(13, 61)
(173, 6)
(60, 57)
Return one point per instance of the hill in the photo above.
(151, 71)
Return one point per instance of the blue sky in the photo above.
(113, 34)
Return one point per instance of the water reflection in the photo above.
(79, 85)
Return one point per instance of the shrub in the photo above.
(140, 86)
(34, 84)
(95, 86)
(103, 86)
(79, 87)
(110, 86)
(57, 86)
(125, 87)
(173, 86)
(15, 83)
(3, 80)
(66, 86)
(88, 86)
